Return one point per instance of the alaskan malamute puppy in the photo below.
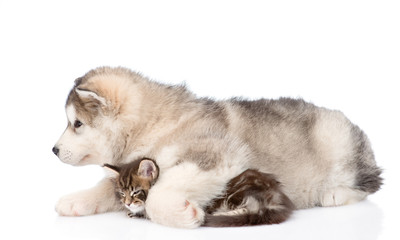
(116, 116)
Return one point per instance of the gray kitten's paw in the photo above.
(135, 215)
(131, 215)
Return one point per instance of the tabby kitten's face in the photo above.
(133, 182)
(132, 191)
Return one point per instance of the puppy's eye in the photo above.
(77, 124)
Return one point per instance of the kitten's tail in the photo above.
(266, 216)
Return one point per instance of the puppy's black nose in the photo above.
(55, 150)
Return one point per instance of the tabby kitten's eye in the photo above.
(135, 192)
(77, 124)
(122, 194)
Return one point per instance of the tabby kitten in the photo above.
(252, 198)
(133, 182)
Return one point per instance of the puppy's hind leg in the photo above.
(341, 196)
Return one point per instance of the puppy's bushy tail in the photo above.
(368, 174)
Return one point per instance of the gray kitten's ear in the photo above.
(111, 171)
(87, 94)
(78, 81)
(148, 169)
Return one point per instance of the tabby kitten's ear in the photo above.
(111, 170)
(148, 169)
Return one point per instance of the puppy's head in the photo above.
(96, 108)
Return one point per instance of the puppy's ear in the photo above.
(88, 95)
(148, 170)
(111, 170)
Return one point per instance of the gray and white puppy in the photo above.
(116, 115)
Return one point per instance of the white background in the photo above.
(338, 54)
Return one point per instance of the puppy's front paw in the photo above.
(76, 205)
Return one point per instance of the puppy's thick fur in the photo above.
(116, 116)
